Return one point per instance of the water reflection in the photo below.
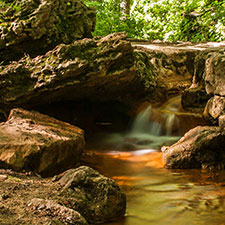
(159, 196)
(155, 195)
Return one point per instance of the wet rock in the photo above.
(36, 142)
(208, 80)
(99, 199)
(194, 99)
(169, 67)
(201, 147)
(99, 69)
(214, 109)
(33, 26)
(55, 211)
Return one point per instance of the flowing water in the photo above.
(155, 195)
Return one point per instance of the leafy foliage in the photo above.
(172, 20)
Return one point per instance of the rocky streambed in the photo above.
(55, 77)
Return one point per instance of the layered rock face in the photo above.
(203, 147)
(170, 66)
(96, 69)
(208, 82)
(33, 27)
(36, 142)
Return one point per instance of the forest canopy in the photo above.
(168, 20)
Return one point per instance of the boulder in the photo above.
(98, 198)
(98, 69)
(214, 76)
(201, 147)
(194, 99)
(208, 80)
(169, 67)
(215, 108)
(56, 212)
(33, 27)
(36, 142)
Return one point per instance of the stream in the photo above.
(155, 195)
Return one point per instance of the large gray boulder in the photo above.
(99, 199)
(203, 147)
(36, 142)
(33, 27)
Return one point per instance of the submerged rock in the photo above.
(201, 147)
(99, 199)
(36, 142)
(33, 27)
(52, 209)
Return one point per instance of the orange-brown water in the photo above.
(155, 195)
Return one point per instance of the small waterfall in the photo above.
(151, 129)
(143, 123)
(170, 120)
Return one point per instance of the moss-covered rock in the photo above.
(97, 198)
(100, 69)
(166, 69)
(35, 26)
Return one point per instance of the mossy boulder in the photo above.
(98, 69)
(97, 198)
(35, 26)
(167, 68)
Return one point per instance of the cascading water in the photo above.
(151, 129)
(147, 132)
(143, 124)
(169, 124)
